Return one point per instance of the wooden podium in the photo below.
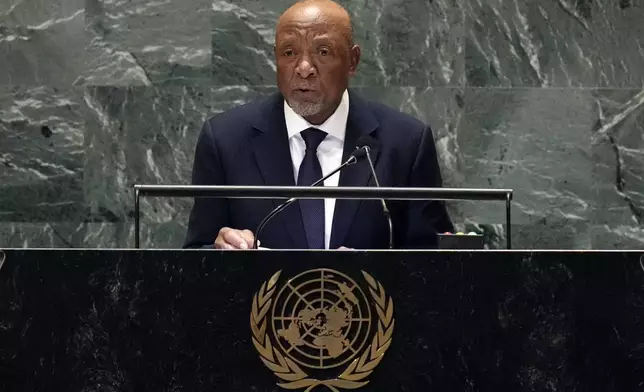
(157, 320)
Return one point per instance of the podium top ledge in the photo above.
(273, 192)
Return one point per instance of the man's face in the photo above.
(314, 64)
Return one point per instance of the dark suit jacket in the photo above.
(249, 145)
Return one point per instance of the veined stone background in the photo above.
(542, 96)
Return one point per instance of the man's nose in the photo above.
(305, 68)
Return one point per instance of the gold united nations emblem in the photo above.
(320, 328)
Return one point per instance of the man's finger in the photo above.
(235, 238)
(248, 236)
(220, 243)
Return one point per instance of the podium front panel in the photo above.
(157, 320)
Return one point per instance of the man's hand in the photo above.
(234, 239)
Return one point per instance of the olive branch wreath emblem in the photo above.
(292, 375)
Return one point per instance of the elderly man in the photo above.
(296, 136)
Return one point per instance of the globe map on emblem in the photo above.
(321, 319)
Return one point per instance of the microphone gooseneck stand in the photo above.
(353, 159)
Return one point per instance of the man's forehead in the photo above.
(318, 32)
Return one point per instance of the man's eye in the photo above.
(324, 52)
(288, 53)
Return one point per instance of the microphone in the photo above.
(366, 142)
(355, 156)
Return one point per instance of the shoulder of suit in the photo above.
(239, 116)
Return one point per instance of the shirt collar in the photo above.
(335, 125)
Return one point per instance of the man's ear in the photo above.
(354, 59)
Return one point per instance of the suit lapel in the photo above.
(361, 122)
(271, 149)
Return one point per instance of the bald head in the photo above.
(328, 12)
(316, 57)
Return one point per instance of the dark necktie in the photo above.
(311, 171)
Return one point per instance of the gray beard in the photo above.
(305, 109)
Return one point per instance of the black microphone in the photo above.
(355, 156)
(366, 142)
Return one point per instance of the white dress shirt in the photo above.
(329, 152)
